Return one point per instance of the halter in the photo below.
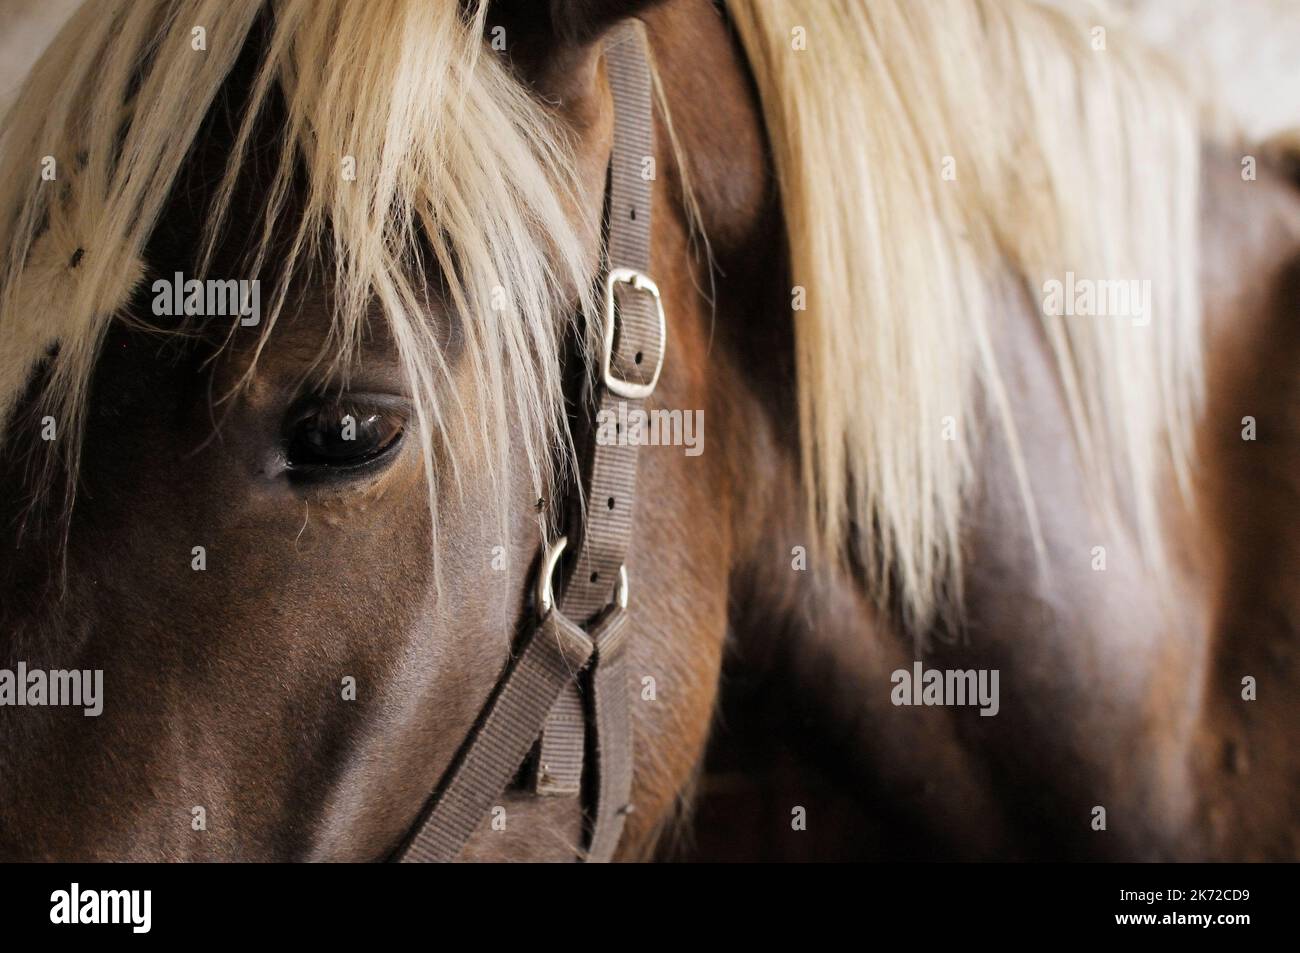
(567, 684)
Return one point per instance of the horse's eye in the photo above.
(337, 435)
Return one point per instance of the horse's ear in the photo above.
(568, 23)
(581, 21)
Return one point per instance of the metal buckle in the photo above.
(641, 282)
(544, 585)
(620, 596)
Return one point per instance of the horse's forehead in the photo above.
(298, 348)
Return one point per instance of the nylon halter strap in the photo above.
(567, 682)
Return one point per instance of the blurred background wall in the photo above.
(1245, 53)
(26, 26)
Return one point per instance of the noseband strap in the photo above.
(567, 687)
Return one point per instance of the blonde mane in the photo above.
(451, 155)
(1067, 158)
(1067, 148)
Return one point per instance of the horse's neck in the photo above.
(720, 139)
(779, 578)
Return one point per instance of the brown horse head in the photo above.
(297, 361)
(297, 622)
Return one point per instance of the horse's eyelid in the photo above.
(356, 405)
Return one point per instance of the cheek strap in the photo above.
(566, 689)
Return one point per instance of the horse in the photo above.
(990, 332)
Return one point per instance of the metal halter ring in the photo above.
(641, 282)
(544, 586)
